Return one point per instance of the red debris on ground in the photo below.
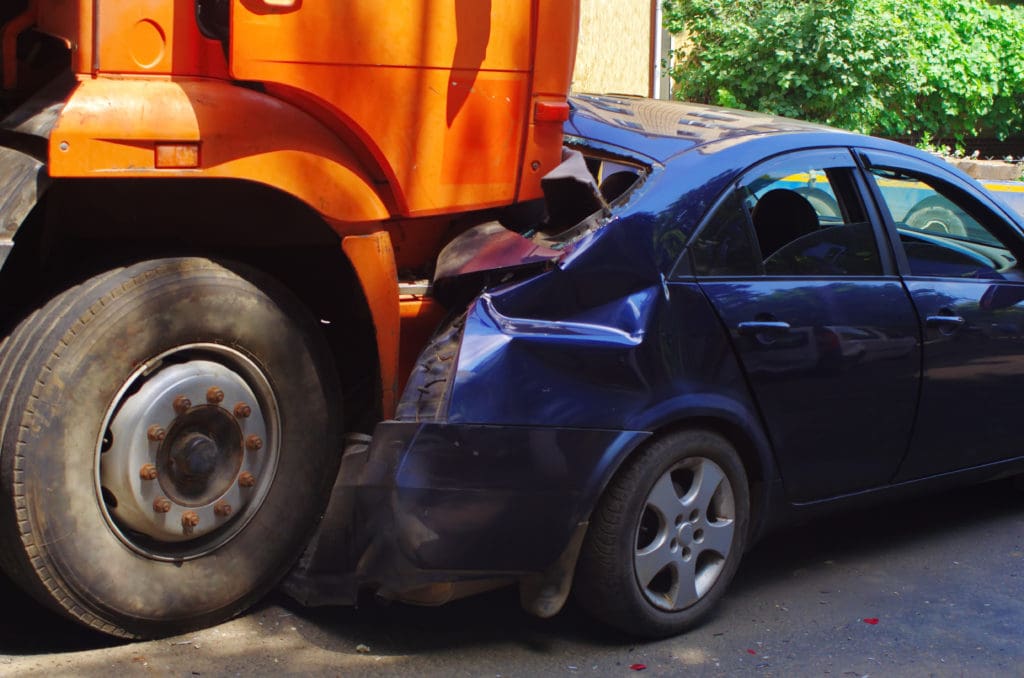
(871, 620)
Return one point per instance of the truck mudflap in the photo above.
(23, 180)
(24, 137)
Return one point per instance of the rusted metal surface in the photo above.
(181, 404)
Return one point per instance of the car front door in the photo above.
(960, 258)
(823, 326)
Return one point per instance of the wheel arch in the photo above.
(211, 128)
(744, 435)
(83, 226)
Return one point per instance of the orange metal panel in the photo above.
(554, 54)
(438, 90)
(557, 30)
(156, 36)
(241, 134)
(374, 261)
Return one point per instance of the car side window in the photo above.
(942, 232)
(795, 217)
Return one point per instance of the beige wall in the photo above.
(614, 49)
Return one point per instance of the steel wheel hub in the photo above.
(190, 451)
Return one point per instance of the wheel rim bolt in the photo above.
(242, 410)
(148, 472)
(189, 519)
(254, 442)
(246, 479)
(214, 395)
(222, 509)
(181, 405)
(156, 433)
(161, 505)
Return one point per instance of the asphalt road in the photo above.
(943, 577)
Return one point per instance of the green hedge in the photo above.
(933, 69)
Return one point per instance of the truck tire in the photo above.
(170, 434)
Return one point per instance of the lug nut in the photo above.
(181, 405)
(148, 472)
(246, 479)
(222, 509)
(156, 433)
(214, 395)
(242, 410)
(189, 519)
(254, 442)
(161, 505)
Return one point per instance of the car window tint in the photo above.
(939, 230)
(726, 245)
(789, 220)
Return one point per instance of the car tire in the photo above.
(170, 436)
(666, 537)
(935, 214)
(823, 203)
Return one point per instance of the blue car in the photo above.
(723, 320)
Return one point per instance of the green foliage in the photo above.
(946, 68)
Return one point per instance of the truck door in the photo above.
(439, 94)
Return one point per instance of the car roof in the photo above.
(661, 129)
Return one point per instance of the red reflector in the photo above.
(551, 111)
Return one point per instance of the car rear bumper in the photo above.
(429, 503)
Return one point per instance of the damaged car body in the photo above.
(622, 405)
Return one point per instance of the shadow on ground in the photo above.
(495, 619)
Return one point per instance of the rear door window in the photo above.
(799, 215)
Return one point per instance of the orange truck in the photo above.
(217, 223)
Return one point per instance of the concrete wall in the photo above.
(614, 49)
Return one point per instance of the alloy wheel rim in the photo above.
(684, 534)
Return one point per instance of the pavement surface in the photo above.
(931, 587)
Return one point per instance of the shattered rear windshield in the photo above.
(580, 193)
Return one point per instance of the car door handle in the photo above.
(944, 321)
(763, 327)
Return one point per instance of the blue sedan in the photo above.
(722, 320)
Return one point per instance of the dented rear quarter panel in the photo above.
(608, 339)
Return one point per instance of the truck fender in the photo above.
(192, 128)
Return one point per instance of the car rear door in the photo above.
(960, 256)
(795, 288)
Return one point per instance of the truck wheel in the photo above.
(666, 537)
(170, 436)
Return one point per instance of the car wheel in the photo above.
(936, 214)
(170, 435)
(667, 536)
(824, 204)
